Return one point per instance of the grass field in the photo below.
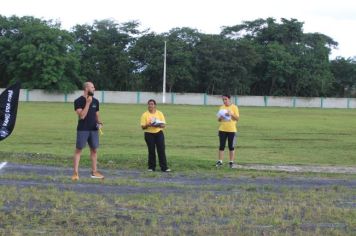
(45, 133)
(240, 211)
(196, 198)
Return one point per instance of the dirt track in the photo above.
(45, 176)
(300, 169)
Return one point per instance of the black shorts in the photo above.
(231, 140)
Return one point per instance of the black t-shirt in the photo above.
(89, 122)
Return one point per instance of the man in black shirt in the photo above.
(87, 109)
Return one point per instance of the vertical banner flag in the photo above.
(9, 100)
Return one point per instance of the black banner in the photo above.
(9, 100)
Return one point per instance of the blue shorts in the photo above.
(90, 137)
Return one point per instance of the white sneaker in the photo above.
(96, 175)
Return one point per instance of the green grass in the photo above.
(239, 211)
(45, 133)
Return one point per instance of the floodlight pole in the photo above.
(164, 73)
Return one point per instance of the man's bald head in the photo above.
(87, 84)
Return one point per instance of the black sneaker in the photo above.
(231, 164)
(167, 170)
(219, 163)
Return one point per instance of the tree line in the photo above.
(260, 57)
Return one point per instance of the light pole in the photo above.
(164, 73)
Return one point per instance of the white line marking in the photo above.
(2, 165)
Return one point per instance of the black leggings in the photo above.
(230, 136)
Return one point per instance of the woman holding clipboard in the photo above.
(153, 122)
(228, 116)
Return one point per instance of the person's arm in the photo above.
(82, 113)
(234, 115)
(162, 118)
(97, 118)
(144, 124)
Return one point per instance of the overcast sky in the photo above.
(336, 19)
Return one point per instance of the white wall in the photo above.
(251, 101)
(189, 98)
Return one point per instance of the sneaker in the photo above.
(167, 170)
(96, 175)
(231, 164)
(150, 170)
(219, 163)
(75, 176)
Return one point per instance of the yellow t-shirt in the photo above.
(148, 117)
(229, 125)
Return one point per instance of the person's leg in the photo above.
(93, 142)
(82, 137)
(160, 144)
(231, 141)
(232, 155)
(150, 141)
(76, 160)
(221, 155)
(222, 141)
(94, 159)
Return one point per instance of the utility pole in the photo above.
(164, 73)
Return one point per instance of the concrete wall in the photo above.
(38, 95)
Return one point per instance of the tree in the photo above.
(180, 59)
(224, 65)
(344, 71)
(279, 69)
(260, 57)
(38, 54)
(105, 53)
(147, 56)
(292, 63)
(314, 77)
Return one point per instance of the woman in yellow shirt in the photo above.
(153, 122)
(228, 116)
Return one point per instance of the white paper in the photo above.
(224, 114)
(157, 122)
